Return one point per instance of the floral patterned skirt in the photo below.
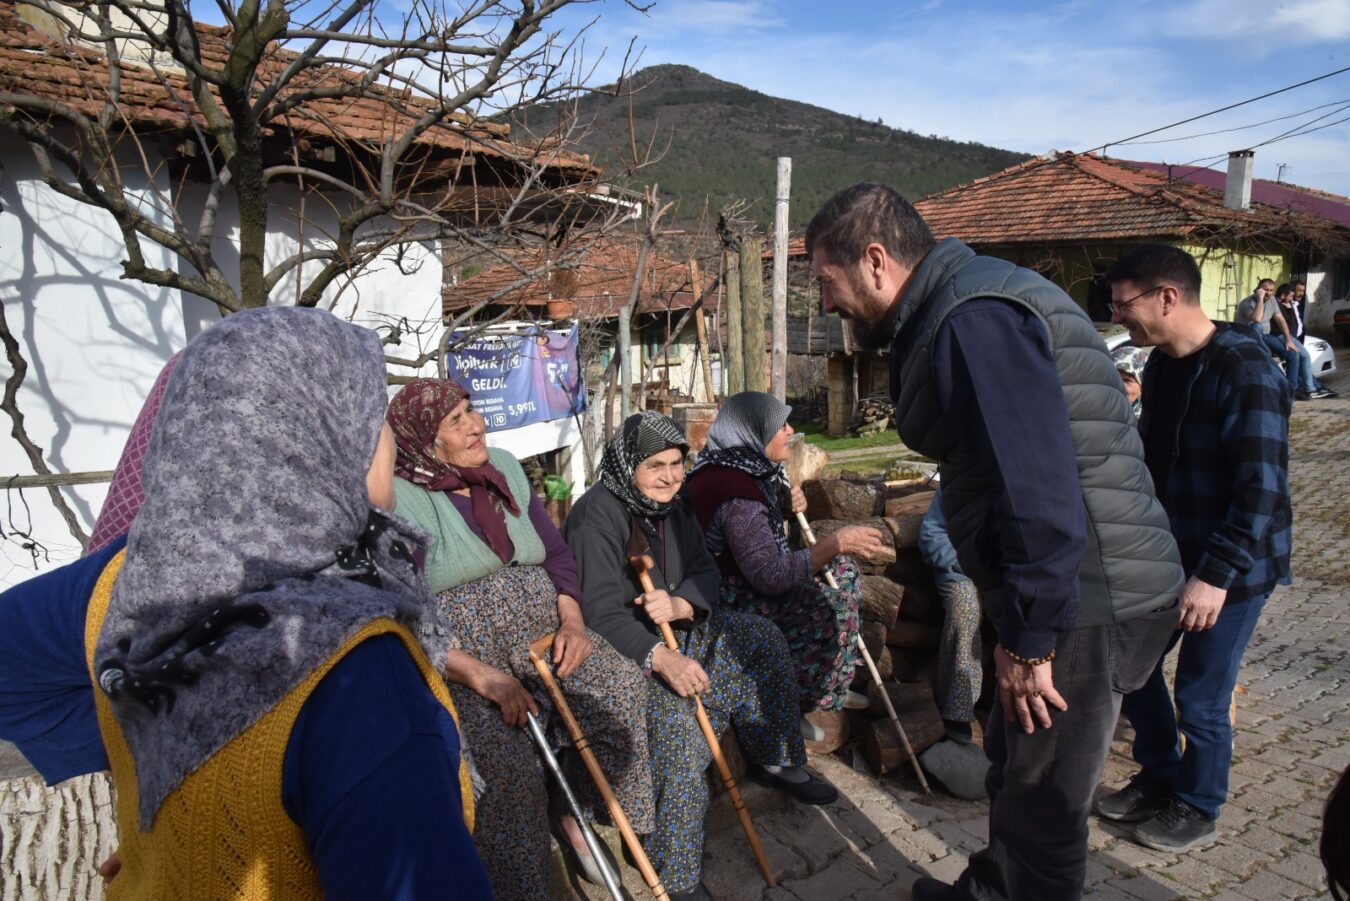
(820, 624)
(495, 619)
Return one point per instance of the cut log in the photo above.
(874, 636)
(923, 604)
(917, 503)
(905, 529)
(834, 723)
(919, 716)
(881, 600)
(909, 567)
(912, 636)
(838, 499)
(914, 666)
(877, 563)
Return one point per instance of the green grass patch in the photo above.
(814, 433)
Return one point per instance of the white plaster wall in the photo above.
(1320, 301)
(93, 341)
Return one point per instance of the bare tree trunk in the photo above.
(10, 404)
(752, 313)
(701, 328)
(733, 361)
(780, 242)
(53, 839)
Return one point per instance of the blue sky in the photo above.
(1025, 76)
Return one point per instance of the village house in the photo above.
(94, 336)
(1069, 217)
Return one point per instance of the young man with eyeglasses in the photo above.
(1216, 440)
(1000, 376)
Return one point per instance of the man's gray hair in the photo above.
(864, 214)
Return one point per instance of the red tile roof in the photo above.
(593, 282)
(35, 63)
(1082, 197)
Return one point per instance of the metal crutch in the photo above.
(611, 878)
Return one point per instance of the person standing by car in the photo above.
(1293, 317)
(1216, 439)
(1262, 312)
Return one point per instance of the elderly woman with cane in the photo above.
(504, 578)
(737, 662)
(740, 494)
(250, 650)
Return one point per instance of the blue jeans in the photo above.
(1207, 668)
(1297, 363)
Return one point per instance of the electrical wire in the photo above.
(1222, 109)
(1224, 131)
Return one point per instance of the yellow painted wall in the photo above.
(1226, 277)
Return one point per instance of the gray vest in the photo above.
(1131, 565)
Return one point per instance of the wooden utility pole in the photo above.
(733, 361)
(625, 364)
(780, 243)
(701, 328)
(752, 313)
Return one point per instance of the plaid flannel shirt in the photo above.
(1227, 492)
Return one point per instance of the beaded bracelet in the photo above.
(1030, 661)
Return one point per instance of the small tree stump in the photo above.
(881, 600)
(918, 714)
(834, 723)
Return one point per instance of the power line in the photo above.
(1223, 109)
(1223, 131)
(1300, 134)
(1302, 129)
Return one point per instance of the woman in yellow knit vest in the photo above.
(273, 726)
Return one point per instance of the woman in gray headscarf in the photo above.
(741, 494)
(273, 725)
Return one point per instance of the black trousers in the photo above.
(1041, 785)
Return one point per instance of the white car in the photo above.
(1323, 357)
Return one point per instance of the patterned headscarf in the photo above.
(744, 426)
(415, 415)
(125, 494)
(256, 554)
(1130, 359)
(641, 436)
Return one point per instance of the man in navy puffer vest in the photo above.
(1001, 377)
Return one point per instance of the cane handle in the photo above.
(539, 649)
(810, 537)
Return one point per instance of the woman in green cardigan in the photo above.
(504, 578)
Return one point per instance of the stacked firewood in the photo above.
(902, 617)
(873, 415)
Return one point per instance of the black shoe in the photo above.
(1179, 827)
(1300, 394)
(1320, 393)
(697, 893)
(814, 790)
(1142, 799)
(926, 888)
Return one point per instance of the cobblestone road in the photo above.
(1292, 741)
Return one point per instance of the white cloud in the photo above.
(715, 16)
(1263, 22)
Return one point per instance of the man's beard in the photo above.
(869, 336)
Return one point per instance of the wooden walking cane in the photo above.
(642, 564)
(539, 654)
(872, 669)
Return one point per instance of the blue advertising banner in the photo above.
(519, 379)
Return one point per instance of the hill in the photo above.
(724, 139)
